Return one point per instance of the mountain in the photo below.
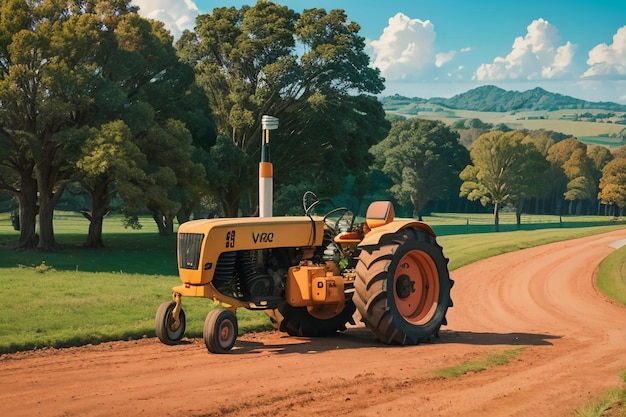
(494, 99)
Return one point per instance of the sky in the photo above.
(440, 48)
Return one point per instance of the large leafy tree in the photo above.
(423, 159)
(69, 69)
(310, 70)
(570, 156)
(613, 184)
(111, 164)
(44, 90)
(173, 176)
(502, 168)
(540, 189)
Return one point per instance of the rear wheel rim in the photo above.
(416, 287)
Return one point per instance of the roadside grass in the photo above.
(612, 275)
(611, 404)
(78, 296)
(467, 248)
(494, 359)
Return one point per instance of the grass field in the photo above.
(77, 296)
(557, 121)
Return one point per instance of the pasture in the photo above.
(601, 132)
(79, 296)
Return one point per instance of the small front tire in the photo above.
(168, 330)
(220, 330)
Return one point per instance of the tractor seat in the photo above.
(379, 213)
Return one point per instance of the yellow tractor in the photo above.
(310, 273)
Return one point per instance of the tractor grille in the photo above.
(189, 245)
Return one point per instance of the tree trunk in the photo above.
(519, 207)
(100, 201)
(231, 207)
(183, 215)
(50, 186)
(27, 198)
(169, 224)
(164, 222)
(496, 216)
(94, 237)
(46, 228)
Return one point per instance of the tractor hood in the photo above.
(200, 242)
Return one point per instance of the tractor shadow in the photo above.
(360, 338)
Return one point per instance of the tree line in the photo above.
(98, 101)
(530, 171)
(93, 96)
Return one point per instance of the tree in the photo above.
(542, 140)
(17, 176)
(570, 156)
(309, 70)
(173, 177)
(47, 82)
(423, 159)
(530, 180)
(502, 169)
(599, 157)
(67, 68)
(111, 164)
(613, 184)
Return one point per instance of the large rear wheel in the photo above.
(403, 286)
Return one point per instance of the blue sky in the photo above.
(440, 48)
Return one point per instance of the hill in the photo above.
(595, 123)
(494, 99)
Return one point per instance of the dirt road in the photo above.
(542, 299)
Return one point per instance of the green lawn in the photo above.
(77, 296)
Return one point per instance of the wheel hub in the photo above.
(404, 286)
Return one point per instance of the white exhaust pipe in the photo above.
(266, 174)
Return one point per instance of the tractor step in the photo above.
(264, 303)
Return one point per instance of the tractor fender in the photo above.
(374, 236)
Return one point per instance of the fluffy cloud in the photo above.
(177, 15)
(535, 56)
(443, 57)
(405, 49)
(608, 60)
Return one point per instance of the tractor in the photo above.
(310, 273)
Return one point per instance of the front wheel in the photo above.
(167, 328)
(220, 330)
(403, 287)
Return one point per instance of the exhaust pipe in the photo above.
(266, 174)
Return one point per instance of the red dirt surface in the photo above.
(543, 299)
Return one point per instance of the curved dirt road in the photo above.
(542, 299)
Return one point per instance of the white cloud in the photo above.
(405, 48)
(608, 60)
(443, 57)
(535, 56)
(177, 15)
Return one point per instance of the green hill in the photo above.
(595, 123)
(494, 99)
